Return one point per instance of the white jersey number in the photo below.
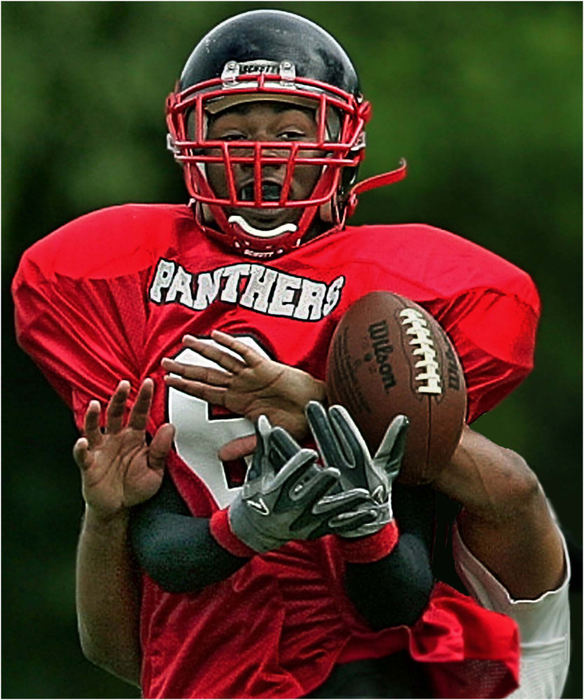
(200, 433)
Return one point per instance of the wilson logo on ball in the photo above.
(429, 376)
(390, 356)
(379, 334)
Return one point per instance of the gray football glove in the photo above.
(284, 495)
(341, 445)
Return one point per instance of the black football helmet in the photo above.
(276, 56)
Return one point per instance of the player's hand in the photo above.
(118, 468)
(284, 496)
(247, 384)
(341, 445)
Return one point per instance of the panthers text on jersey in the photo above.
(108, 295)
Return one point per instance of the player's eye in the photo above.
(232, 136)
(292, 135)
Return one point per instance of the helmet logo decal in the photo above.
(233, 69)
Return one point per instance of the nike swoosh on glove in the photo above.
(284, 496)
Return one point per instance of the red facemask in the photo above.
(339, 144)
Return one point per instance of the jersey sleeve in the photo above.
(493, 330)
(83, 332)
(544, 623)
(487, 305)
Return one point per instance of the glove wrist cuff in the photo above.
(221, 531)
(371, 548)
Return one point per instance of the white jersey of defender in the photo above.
(544, 624)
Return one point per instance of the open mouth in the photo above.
(271, 192)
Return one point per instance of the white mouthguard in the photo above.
(259, 233)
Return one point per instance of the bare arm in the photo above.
(107, 598)
(505, 520)
(118, 471)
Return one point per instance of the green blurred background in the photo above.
(483, 98)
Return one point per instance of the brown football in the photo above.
(387, 356)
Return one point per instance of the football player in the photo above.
(284, 579)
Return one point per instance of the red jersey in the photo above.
(108, 295)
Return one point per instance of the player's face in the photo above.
(265, 121)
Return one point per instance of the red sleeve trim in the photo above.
(223, 534)
(371, 548)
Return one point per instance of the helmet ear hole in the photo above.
(325, 212)
(348, 179)
(207, 214)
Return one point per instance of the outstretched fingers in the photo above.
(91, 429)
(208, 375)
(295, 469)
(206, 392)
(116, 408)
(238, 448)
(250, 356)
(160, 446)
(81, 453)
(347, 511)
(282, 444)
(324, 435)
(141, 409)
(391, 451)
(344, 501)
(349, 435)
(224, 358)
(348, 523)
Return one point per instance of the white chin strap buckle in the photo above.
(259, 233)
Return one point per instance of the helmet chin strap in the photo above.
(246, 227)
